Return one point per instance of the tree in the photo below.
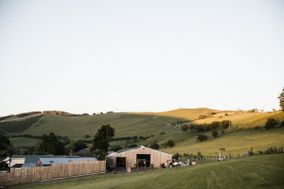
(101, 141)
(176, 156)
(170, 143)
(184, 128)
(282, 123)
(78, 145)
(155, 145)
(281, 100)
(199, 155)
(51, 144)
(270, 123)
(215, 133)
(6, 148)
(201, 138)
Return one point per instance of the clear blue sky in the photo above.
(150, 55)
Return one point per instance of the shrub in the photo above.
(87, 136)
(78, 145)
(155, 146)
(282, 123)
(170, 143)
(184, 128)
(115, 148)
(215, 133)
(215, 124)
(199, 155)
(202, 138)
(225, 124)
(176, 156)
(270, 123)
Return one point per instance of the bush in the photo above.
(199, 155)
(184, 128)
(78, 145)
(215, 124)
(176, 156)
(170, 143)
(215, 133)
(202, 138)
(115, 148)
(155, 146)
(225, 124)
(270, 123)
(87, 136)
(282, 123)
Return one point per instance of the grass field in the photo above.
(255, 172)
(235, 143)
(18, 141)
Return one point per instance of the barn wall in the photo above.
(157, 157)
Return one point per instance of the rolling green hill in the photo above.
(146, 128)
(256, 172)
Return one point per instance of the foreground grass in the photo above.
(256, 172)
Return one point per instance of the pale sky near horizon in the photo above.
(130, 55)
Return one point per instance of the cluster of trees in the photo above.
(170, 143)
(133, 138)
(51, 144)
(207, 126)
(201, 138)
(272, 122)
(185, 156)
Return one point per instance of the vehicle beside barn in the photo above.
(138, 157)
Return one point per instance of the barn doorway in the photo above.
(121, 162)
(143, 160)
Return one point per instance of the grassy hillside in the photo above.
(242, 119)
(183, 113)
(236, 143)
(158, 127)
(256, 172)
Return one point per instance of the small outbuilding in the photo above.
(139, 157)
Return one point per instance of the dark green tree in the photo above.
(6, 148)
(281, 100)
(184, 128)
(170, 143)
(270, 123)
(51, 144)
(101, 141)
(201, 138)
(78, 145)
(215, 133)
(155, 145)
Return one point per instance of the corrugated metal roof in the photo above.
(31, 160)
(64, 160)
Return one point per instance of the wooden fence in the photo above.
(57, 171)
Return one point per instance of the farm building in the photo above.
(138, 157)
(44, 160)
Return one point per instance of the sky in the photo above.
(130, 55)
